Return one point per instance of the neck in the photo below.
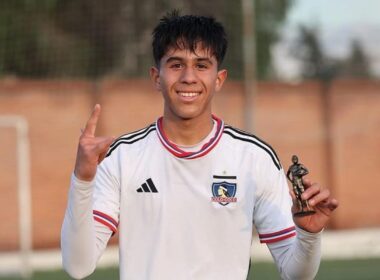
(187, 132)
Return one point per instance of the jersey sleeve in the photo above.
(272, 213)
(298, 258)
(82, 240)
(107, 194)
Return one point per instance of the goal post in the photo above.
(20, 124)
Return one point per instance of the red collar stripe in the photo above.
(178, 152)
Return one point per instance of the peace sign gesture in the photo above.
(91, 149)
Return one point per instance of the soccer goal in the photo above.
(22, 264)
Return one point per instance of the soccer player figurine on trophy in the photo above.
(295, 173)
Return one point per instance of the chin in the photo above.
(187, 117)
(187, 114)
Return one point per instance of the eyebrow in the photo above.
(199, 59)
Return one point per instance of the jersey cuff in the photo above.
(106, 220)
(278, 235)
(78, 183)
(304, 234)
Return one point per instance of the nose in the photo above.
(189, 76)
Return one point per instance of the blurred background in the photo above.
(303, 75)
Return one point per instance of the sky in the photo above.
(339, 22)
(334, 13)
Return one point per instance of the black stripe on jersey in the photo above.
(145, 187)
(224, 177)
(132, 135)
(254, 140)
(151, 185)
(131, 139)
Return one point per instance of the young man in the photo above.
(185, 192)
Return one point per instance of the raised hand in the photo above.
(320, 200)
(91, 149)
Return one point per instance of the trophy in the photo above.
(295, 173)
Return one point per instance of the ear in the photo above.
(155, 77)
(221, 77)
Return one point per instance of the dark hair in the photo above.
(185, 32)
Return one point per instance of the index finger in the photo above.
(90, 127)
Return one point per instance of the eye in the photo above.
(175, 65)
(202, 66)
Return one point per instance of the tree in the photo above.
(270, 15)
(312, 52)
(318, 65)
(309, 51)
(96, 38)
(20, 42)
(357, 64)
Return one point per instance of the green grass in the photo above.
(99, 274)
(367, 269)
(363, 269)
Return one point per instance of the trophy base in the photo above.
(304, 213)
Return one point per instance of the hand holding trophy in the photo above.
(295, 173)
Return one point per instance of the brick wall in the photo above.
(289, 117)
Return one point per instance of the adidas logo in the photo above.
(148, 187)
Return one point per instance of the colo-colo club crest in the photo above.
(224, 193)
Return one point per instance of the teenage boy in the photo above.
(185, 192)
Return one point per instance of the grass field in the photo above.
(368, 269)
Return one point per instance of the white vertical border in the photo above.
(24, 195)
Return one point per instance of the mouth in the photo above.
(188, 95)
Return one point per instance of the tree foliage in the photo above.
(318, 65)
(357, 64)
(96, 38)
(270, 15)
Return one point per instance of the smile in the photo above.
(188, 94)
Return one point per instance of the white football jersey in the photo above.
(189, 215)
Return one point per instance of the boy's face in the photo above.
(187, 82)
